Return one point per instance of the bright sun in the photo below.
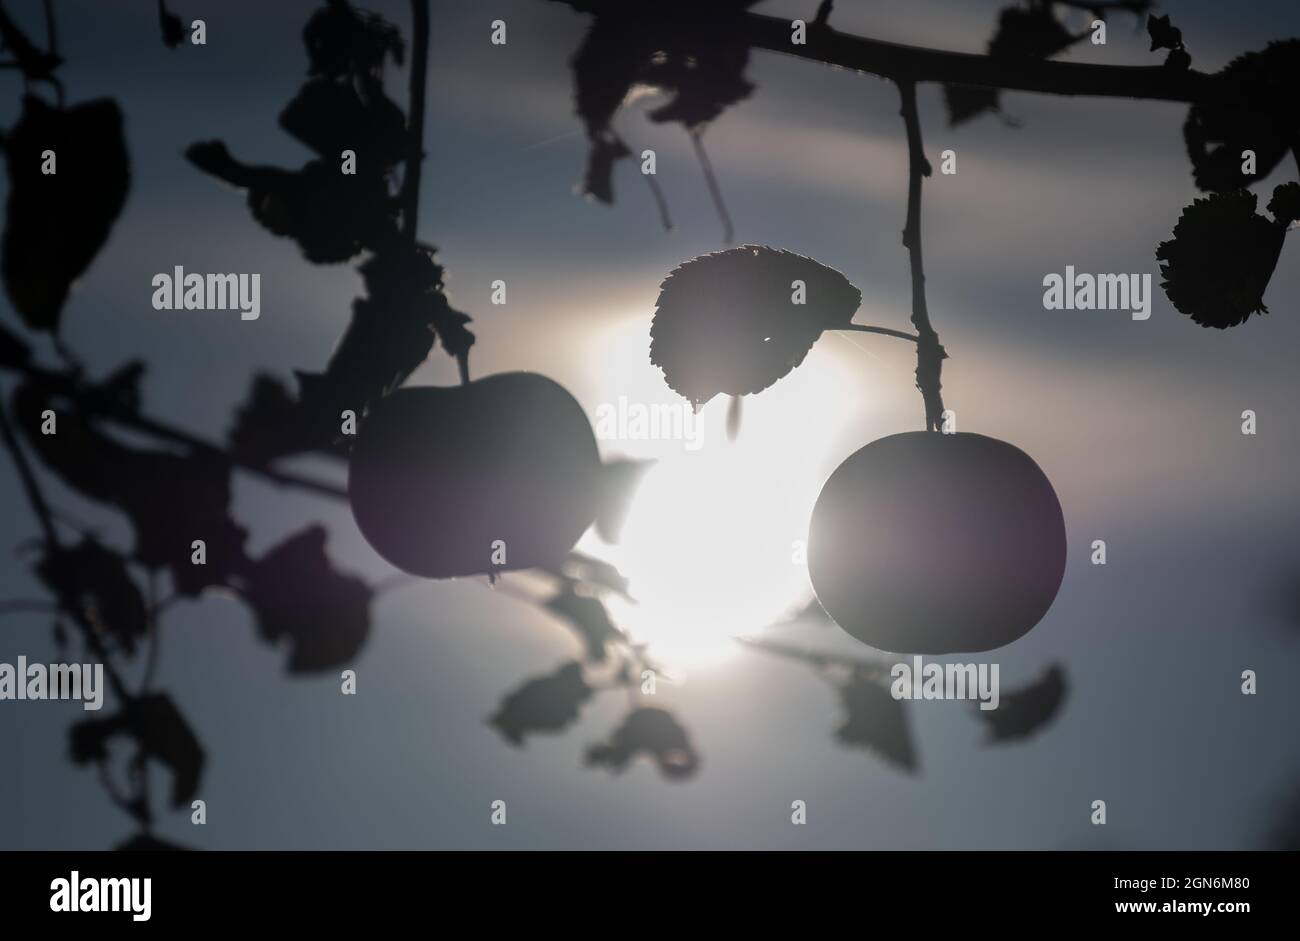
(713, 539)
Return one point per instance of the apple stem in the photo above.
(929, 352)
(882, 331)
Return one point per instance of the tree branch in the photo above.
(912, 63)
(929, 353)
(62, 385)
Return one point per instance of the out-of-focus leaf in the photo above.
(171, 499)
(1219, 262)
(343, 42)
(159, 732)
(93, 585)
(875, 720)
(1025, 711)
(173, 30)
(727, 322)
(692, 51)
(619, 480)
(1265, 118)
(596, 574)
(301, 602)
(1033, 33)
(332, 216)
(391, 333)
(330, 117)
(543, 704)
(598, 181)
(1285, 204)
(651, 732)
(56, 223)
(586, 617)
(1164, 35)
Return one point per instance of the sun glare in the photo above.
(712, 545)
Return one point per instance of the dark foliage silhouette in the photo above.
(173, 29)
(726, 322)
(873, 720)
(691, 50)
(654, 734)
(56, 223)
(544, 704)
(876, 720)
(159, 732)
(1031, 32)
(1265, 121)
(1222, 255)
(722, 326)
(1026, 711)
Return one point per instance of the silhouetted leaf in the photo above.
(694, 52)
(1033, 33)
(343, 42)
(726, 322)
(1025, 711)
(619, 480)
(543, 704)
(1266, 119)
(594, 573)
(171, 499)
(173, 30)
(1218, 264)
(875, 720)
(598, 180)
(270, 424)
(158, 731)
(1285, 204)
(1164, 35)
(302, 603)
(93, 585)
(585, 616)
(330, 117)
(391, 333)
(653, 733)
(332, 216)
(56, 223)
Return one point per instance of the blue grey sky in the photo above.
(1136, 424)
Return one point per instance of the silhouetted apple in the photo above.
(929, 543)
(438, 475)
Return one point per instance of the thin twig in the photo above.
(929, 353)
(883, 331)
(660, 201)
(40, 508)
(51, 32)
(64, 385)
(714, 190)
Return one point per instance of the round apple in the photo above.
(500, 473)
(929, 543)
